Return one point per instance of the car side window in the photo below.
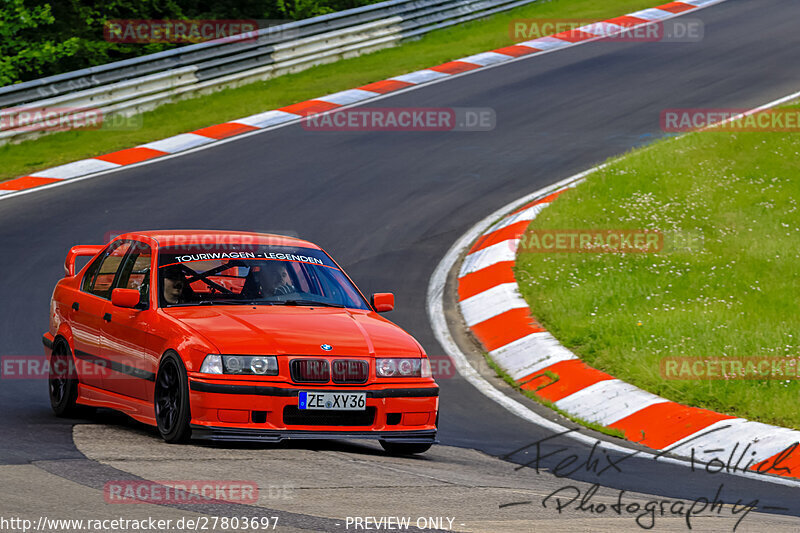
(135, 273)
(107, 271)
(91, 272)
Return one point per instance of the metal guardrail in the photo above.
(140, 84)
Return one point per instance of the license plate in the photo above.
(334, 401)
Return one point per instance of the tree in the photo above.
(44, 37)
(26, 52)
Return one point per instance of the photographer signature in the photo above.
(599, 461)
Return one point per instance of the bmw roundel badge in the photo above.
(326, 347)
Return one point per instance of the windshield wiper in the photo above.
(310, 303)
(225, 302)
(258, 302)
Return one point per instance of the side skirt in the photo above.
(139, 410)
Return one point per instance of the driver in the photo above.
(175, 285)
(275, 279)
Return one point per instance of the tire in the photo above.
(405, 448)
(171, 400)
(62, 382)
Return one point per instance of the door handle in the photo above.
(107, 317)
(76, 306)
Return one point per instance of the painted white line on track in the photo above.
(76, 168)
(608, 401)
(516, 359)
(491, 255)
(492, 302)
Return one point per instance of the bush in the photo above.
(40, 38)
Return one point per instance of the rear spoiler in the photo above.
(81, 250)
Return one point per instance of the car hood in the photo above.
(298, 330)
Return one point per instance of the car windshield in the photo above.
(253, 275)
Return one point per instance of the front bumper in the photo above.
(225, 434)
(231, 410)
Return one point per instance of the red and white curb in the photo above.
(293, 113)
(499, 318)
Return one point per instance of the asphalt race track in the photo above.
(387, 206)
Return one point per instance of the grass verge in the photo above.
(188, 115)
(729, 292)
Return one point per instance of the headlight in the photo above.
(212, 364)
(403, 368)
(255, 365)
(426, 368)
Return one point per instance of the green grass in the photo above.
(180, 117)
(732, 292)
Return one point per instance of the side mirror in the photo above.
(125, 298)
(383, 302)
